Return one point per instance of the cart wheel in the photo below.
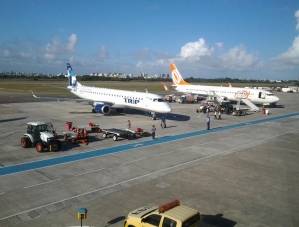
(99, 130)
(115, 137)
(25, 142)
(65, 137)
(73, 141)
(39, 147)
(104, 135)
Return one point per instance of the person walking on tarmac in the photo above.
(163, 122)
(129, 124)
(219, 114)
(208, 121)
(153, 132)
(215, 117)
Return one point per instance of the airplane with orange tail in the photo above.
(230, 93)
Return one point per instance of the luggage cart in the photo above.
(115, 133)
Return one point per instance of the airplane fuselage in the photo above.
(123, 99)
(256, 96)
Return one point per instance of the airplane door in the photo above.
(262, 95)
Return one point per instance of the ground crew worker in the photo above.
(208, 121)
(163, 122)
(219, 115)
(215, 117)
(153, 132)
(129, 124)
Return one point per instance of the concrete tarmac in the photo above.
(235, 175)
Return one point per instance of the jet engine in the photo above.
(102, 108)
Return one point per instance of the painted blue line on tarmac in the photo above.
(96, 153)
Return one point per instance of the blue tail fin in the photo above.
(71, 75)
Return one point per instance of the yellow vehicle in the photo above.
(169, 215)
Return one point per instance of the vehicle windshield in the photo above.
(42, 128)
(191, 221)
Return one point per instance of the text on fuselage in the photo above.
(132, 101)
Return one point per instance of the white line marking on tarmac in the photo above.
(206, 143)
(89, 172)
(41, 183)
(224, 138)
(134, 161)
(240, 134)
(186, 148)
(163, 153)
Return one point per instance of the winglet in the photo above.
(165, 87)
(33, 94)
(177, 79)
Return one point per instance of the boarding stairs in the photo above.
(212, 96)
(242, 98)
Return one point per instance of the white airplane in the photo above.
(256, 96)
(103, 99)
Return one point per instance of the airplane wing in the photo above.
(90, 101)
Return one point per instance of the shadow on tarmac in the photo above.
(115, 220)
(169, 116)
(217, 220)
(13, 119)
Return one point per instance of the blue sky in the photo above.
(246, 39)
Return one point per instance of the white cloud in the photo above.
(291, 56)
(195, 50)
(204, 56)
(237, 59)
(55, 48)
(139, 65)
(219, 45)
(297, 18)
(72, 43)
(103, 53)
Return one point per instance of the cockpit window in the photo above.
(159, 100)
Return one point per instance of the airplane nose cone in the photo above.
(276, 99)
(167, 108)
